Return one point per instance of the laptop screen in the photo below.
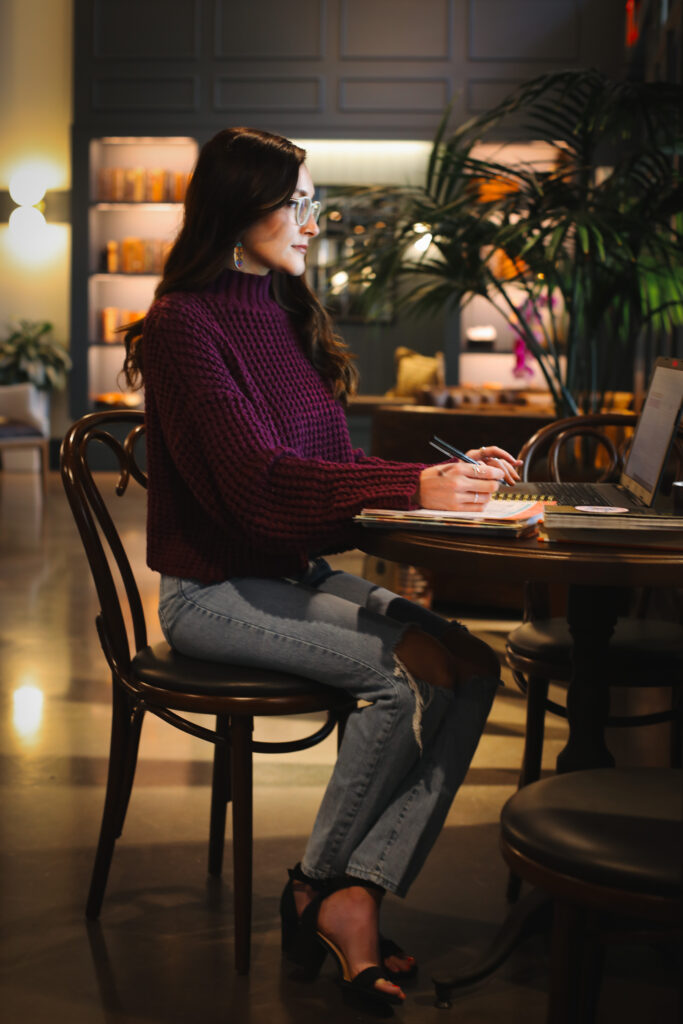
(654, 434)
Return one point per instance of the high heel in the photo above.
(361, 991)
(358, 991)
(291, 924)
(296, 943)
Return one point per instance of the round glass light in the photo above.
(27, 222)
(28, 184)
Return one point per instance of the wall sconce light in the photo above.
(30, 202)
(34, 212)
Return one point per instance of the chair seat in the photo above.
(649, 651)
(14, 429)
(617, 827)
(162, 667)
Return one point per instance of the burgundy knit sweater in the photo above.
(251, 470)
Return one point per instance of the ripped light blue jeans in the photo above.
(404, 753)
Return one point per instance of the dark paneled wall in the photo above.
(324, 68)
(374, 69)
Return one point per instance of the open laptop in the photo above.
(641, 477)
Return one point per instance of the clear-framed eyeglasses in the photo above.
(304, 209)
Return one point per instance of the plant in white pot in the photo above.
(32, 364)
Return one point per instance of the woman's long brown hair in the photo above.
(241, 175)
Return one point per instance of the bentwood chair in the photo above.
(159, 680)
(643, 653)
(607, 846)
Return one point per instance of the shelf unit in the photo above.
(136, 189)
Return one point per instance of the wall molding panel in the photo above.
(394, 95)
(267, 94)
(146, 31)
(526, 30)
(178, 94)
(395, 30)
(269, 31)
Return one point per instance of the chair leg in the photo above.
(536, 695)
(220, 796)
(130, 761)
(677, 728)
(44, 465)
(125, 737)
(242, 836)
(565, 998)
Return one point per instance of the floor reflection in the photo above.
(162, 950)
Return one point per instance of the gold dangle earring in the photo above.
(238, 255)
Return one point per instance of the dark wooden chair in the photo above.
(167, 684)
(644, 652)
(607, 846)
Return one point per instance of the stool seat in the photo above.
(621, 828)
(606, 845)
(641, 652)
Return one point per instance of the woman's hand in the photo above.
(491, 455)
(462, 487)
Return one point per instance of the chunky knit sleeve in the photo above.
(232, 451)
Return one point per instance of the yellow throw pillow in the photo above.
(415, 371)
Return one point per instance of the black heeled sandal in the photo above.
(387, 948)
(296, 946)
(359, 991)
(291, 923)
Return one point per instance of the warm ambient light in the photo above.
(27, 222)
(30, 240)
(423, 242)
(28, 710)
(29, 183)
(339, 281)
(367, 161)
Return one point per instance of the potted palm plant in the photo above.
(580, 255)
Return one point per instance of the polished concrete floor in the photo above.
(162, 950)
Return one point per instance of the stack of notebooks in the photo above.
(633, 528)
(495, 518)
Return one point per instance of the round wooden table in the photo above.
(596, 578)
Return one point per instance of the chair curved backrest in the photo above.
(543, 452)
(121, 432)
(592, 447)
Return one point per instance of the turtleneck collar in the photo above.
(246, 289)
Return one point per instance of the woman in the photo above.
(252, 480)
